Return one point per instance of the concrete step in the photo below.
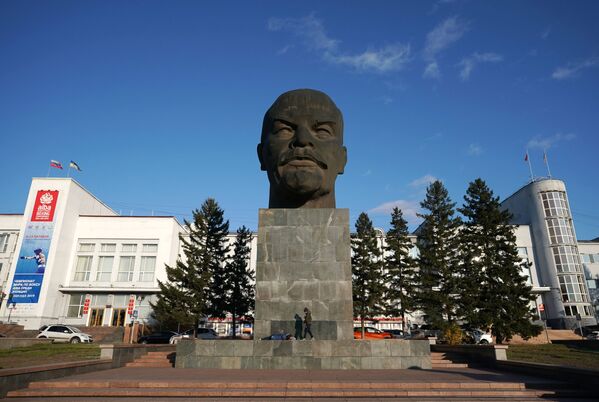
(449, 365)
(281, 392)
(143, 364)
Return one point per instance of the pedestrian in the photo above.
(307, 323)
(298, 326)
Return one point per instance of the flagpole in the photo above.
(49, 167)
(532, 177)
(546, 163)
(69, 171)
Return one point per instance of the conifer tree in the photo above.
(367, 270)
(438, 262)
(499, 297)
(239, 278)
(215, 230)
(183, 298)
(400, 268)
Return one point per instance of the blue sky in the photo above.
(161, 103)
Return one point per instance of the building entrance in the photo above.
(96, 317)
(118, 317)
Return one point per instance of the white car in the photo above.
(64, 333)
(481, 337)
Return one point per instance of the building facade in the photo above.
(543, 206)
(71, 259)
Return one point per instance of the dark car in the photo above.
(397, 333)
(157, 337)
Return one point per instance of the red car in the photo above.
(371, 333)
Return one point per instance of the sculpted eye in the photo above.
(282, 129)
(324, 130)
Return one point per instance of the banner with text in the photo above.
(33, 255)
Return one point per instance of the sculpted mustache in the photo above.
(299, 156)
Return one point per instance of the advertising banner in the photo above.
(33, 255)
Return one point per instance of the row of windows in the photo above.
(111, 247)
(104, 268)
(572, 311)
(560, 231)
(590, 258)
(566, 259)
(555, 204)
(572, 288)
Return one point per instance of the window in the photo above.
(126, 269)
(587, 310)
(555, 204)
(586, 258)
(99, 300)
(87, 247)
(143, 307)
(120, 301)
(566, 259)
(107, 248)
(523, 252)
(83, 268)
(76, 301)
(4, 242)
(129, 248)
(592, 283)
(150, 248)
(105, 264)
(571, 310)
(572, 288)
(146, 270)
(560, 231)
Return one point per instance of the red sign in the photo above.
(86, 304)
(45, 204)
(541, 307)
(131, 305)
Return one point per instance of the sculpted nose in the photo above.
(303, 137)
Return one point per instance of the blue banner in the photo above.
(31, 266)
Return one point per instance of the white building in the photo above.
(543, 205)
(71, 259)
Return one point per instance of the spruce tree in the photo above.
(239, 278)
(183, 298)
(400, 268)
(499, 297)
(438, 261)
(367, 271)
(215, 230)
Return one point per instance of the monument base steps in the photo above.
(440, 360)
(155, 359)
(477, 390)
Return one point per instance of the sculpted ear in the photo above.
(259, 150)
(342, 160)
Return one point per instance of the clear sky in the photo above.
(161, 102)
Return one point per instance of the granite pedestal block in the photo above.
(303, 260)
(304, 355)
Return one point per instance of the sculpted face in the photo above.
(302, 150)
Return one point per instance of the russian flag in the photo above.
(55, 164)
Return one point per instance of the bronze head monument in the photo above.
(301, 149)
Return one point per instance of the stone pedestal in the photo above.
(303, 260)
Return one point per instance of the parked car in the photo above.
(202, 333)
(477, 336)
(397, 333)
(371, 333)
(157, 337)
(64, 333)
(594, 336)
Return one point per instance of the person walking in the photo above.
(307, 323)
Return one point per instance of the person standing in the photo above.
(307, 323)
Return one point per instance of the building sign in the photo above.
(45, 204)
(88, 300)
(33, 255)
(131, 305)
